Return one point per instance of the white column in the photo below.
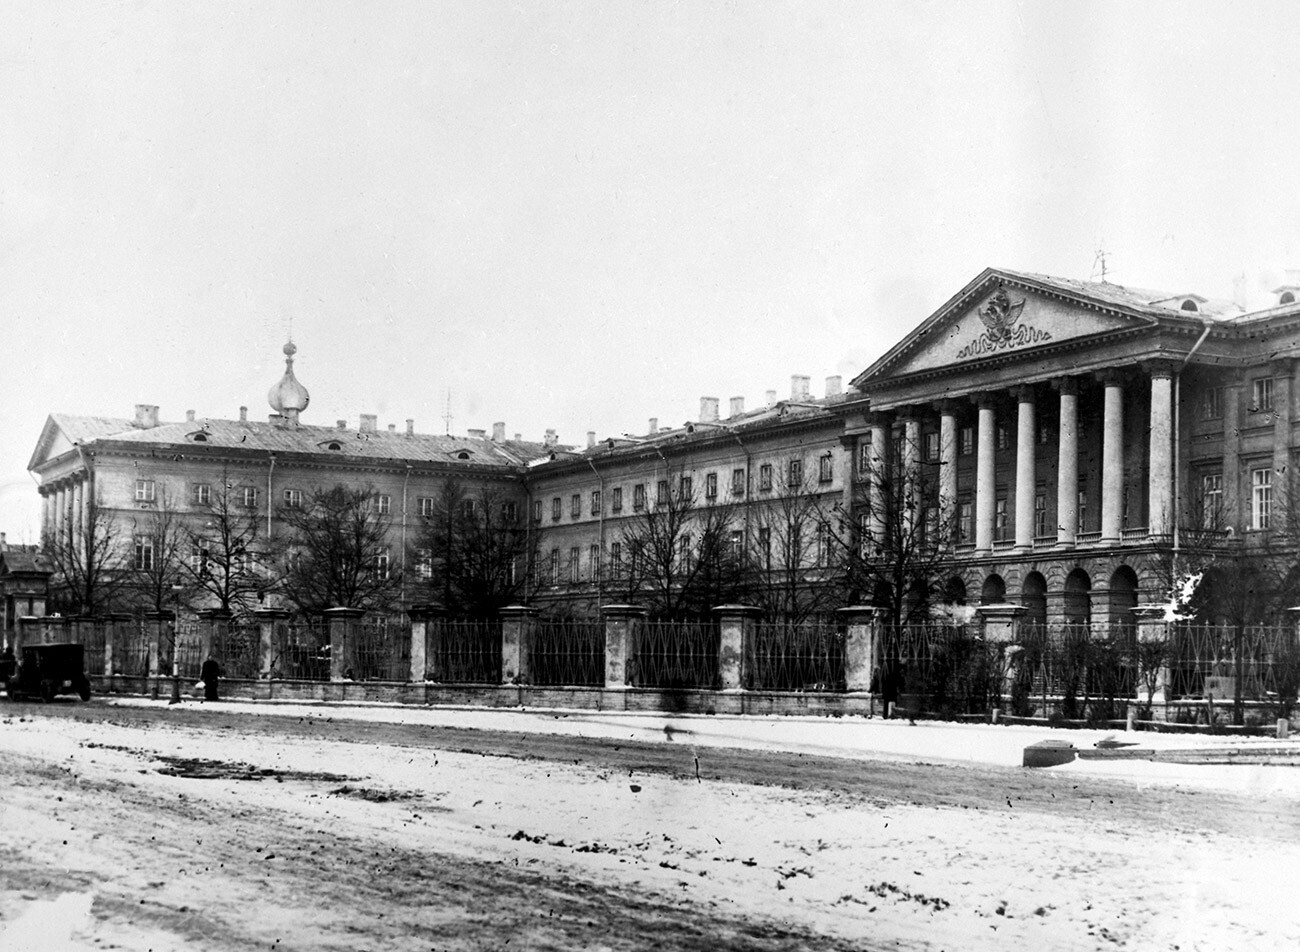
(1160, 507)
(1026, 486)
(1112, 459)
(947, 465)
(46, 526)
(911, 473)
(879, 477)
(1283, 371)
(985, 486)
(1067, 464)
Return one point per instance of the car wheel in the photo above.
(83, 690)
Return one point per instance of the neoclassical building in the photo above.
(1076, 436)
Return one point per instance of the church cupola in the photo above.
(288, 397)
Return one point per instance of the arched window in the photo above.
(1033, 595)
(1286, 298)
(994, 591)
(1078, 598)
(1190, 305)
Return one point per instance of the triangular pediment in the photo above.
(1004, 313)
(63, 433)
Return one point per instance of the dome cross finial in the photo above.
(288, 397)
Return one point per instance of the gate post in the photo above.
(736, 625)
(621, 624)
(267, 619)
(862, 642)
(999, 626)
(159, 642)
(341, 647)
(517, 623)
(214, 629)
(424, 621)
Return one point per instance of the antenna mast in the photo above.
(1099, 264)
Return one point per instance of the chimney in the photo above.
(799, 387)
(654, 426)
(550, 439)
(834, 386)
(498, 432)
(341, 424)
(478, 434)
(708, 409)
(771, 398)
(519, 437)
(392, 428)
(146, 416)
(591, 438)
(189, 416)
(369, 423)
(410, 427)
(243, 414)
(737, 406)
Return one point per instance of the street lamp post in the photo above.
(176, 661)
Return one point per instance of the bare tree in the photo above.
(473, 552)
(794, 552)
(225, 548)
(336, 553)
(677, 556)
(84, 550)
(157, 556)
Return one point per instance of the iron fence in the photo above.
(237, 646)
(94, 635)
(675, 654)
(568, 652)
(946, 669)
(380, 649)
(463, 652)
(1257, 663)
(806, 656)
(187, 650)
(131, 649)
(301, 651)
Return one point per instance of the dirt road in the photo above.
(157, 828)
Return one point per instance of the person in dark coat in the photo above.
(209, 674)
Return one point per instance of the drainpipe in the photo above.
(1178, 381)
(405, 480)
(270, 507)
(600, 568)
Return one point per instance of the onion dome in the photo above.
(288, 397)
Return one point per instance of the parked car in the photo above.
(45, 671)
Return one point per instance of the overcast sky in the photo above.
(580, 216)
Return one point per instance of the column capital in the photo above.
(948, 406)
(879, 418)
(984, 399)
(1024, 392)
(1110, 377)
(1159, 368)
(1067, 385)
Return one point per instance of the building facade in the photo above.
(1073, 439)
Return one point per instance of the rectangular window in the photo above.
(575, 566)
(424, 563)
(735, 545)
(1000, 518)
(424, 506)
(593, 560)
(685, 489)
(381, 564)
(537, 510)
(638, 497)
(1212, 403)
(616, 499)
(661, 492)
(710, 485)
(575, 505)
(200, 560)
(864, 535)
(823, 544)
(143, 553)
(385, 504)
(737, 482)
(966, 440)
(930, 525)
(595, 502)
(1083, 510)
(555, 509)
(685, 553)
(1040, 515)
(616, 559)
(554, 571)
(825, 468)
(1003, 438)
(1211, 500)
(1044, 434)
(795, 474)
(966, 522)
(509, 512)
(249, 497)
(1261, 393)
(1261, 498)
(864, 456)
(931, 447)
(144, 490)
(201, 493)
(293, 498)
(765, 546)
(765, 477)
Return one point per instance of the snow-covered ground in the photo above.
(837, 866)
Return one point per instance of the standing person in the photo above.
(209, 674)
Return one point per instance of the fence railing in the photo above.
(797, 657)
(463, 652)
(237, 646)
(380, 648)
(669, 654)
(568, 652)
(301, 651)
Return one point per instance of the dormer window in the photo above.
(335, 446)
(1288, 297)
(198, 436)
(463, 454)
(1190, 305)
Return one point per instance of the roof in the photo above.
(20, 561)
(1144, 300)
(287, 438)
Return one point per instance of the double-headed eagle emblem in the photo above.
(1000, 316)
